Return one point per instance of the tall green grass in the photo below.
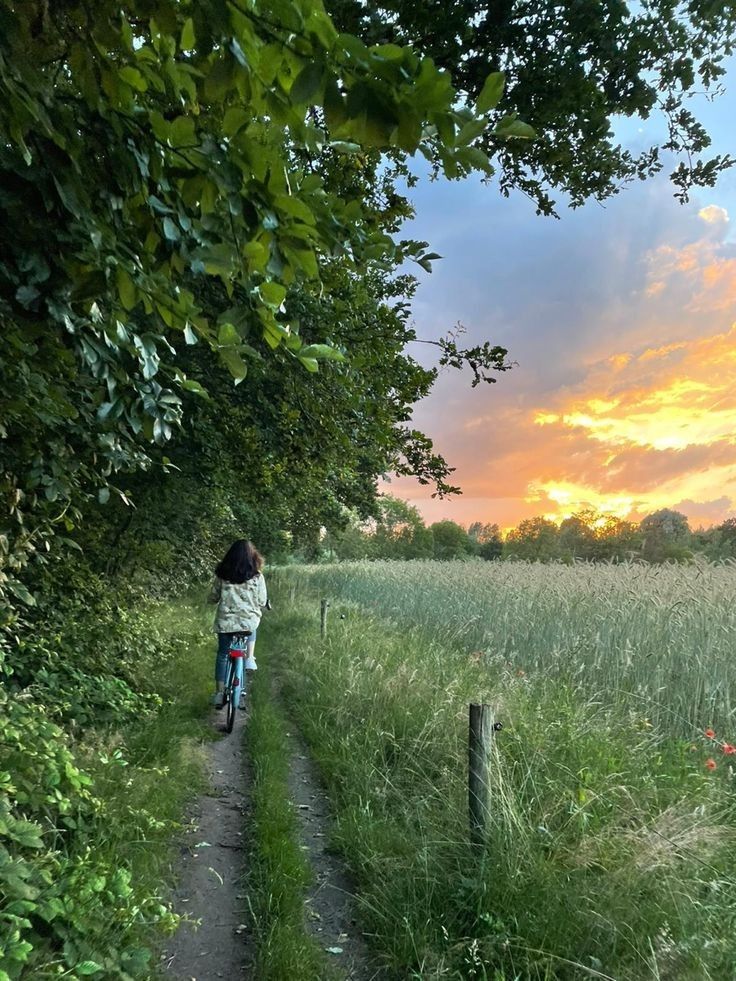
(610, 844)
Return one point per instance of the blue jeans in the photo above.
(224, 643)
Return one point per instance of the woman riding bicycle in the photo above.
(240, 593)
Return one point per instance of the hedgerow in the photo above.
(74, 675)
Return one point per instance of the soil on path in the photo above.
(211, 875)
(215, 941)
(330, 907)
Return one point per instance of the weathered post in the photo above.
(480, 740)
(323, 617)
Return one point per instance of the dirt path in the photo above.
(212, 872)
(212, 886)
(330, 907)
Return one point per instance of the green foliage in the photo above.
(451, 540)
(535, 538)
(398, 532)
(77, 896)
(62, 900)
(666, 534)
(486, 540)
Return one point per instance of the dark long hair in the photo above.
(242, 562)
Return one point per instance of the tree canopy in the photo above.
(571, 70)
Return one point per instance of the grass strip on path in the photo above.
(279, 872)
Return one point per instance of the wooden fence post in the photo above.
(480, 740)
(323, 617)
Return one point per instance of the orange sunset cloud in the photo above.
(675, 404)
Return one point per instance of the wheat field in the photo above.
(663, 635)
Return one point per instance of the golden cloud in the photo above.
(675, 411)
(714, 214)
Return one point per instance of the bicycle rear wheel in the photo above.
(231, 695)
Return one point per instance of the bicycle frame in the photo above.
(234, 678)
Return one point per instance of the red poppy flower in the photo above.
(710, 734)
(728, 749)
(710, 764)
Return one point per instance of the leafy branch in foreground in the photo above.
(573, 70)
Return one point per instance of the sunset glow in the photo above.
(644, 414)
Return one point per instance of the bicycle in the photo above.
(234, 678)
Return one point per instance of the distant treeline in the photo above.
(400, 533)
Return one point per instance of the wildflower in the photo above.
(710, 764)
(520, 673)
(710, 733)
(728, 749)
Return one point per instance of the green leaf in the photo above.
(217, 259)
(110, 410)
(334, 103)
(235, 363)
(239, 53)
(20, 591)
(273, 294)
(470, 131)
(343, 146)
(158, 205)
(88, 967)
(476, 158)
(320, 25)
(25, 295)
(257, 255)
(389, 52)
(182, 132)
(308, 83)
(311, 364)
(190, 385)
(189, 336)
(322, 352)
(490, 94)
(131, 76)
(293, 205)
(353, 47)
(103, 495)
(171, 231)
(228, 335)
(234, 120)
(126, 288)
(27, 834)
(188, 38)
(515, 128)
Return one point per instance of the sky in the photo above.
(621, 319)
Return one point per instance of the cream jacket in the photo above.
(239, 604)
